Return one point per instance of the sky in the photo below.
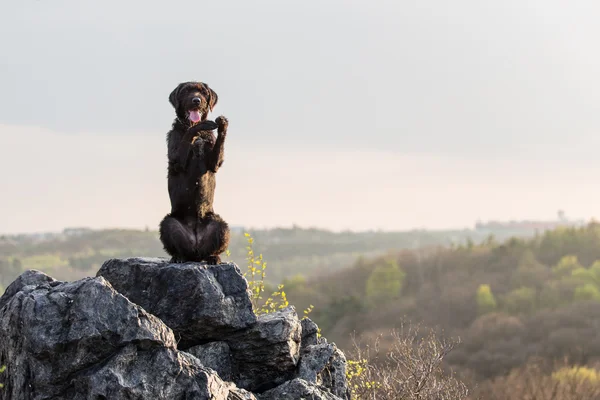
(344, 114)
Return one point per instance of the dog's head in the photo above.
(193, 101)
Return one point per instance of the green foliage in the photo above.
(577, 373)
(486, 302)
(589, 275)
(356, 371)
(520, 301)
(307, 311)
(589, 291)
(530, 272)
(277, 301)
(385, 282)
(534, 382)
(295, 282)
(558, 292)
(566, 266)
(255, 275)
(2, 369)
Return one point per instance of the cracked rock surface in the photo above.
(267, 353)
(200, 302)
(214, 355)
(53, 332)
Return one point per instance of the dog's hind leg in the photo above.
(213, 238)
(178, 240)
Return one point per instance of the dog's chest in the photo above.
(205, 141)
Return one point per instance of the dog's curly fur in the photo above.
(192, 231)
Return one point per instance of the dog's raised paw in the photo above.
(222, 123)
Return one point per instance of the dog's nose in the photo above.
(196, 101)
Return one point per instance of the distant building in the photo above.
(528, 225)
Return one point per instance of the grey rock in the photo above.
(134, 374)
(336, 379)
(325, 365)
(313, 360)
(90, 340)
(50, 334)
(266, 354)
(214, 355)
(298, 389)
(310, 332)
(333, 376)
(199, 302)
(31, 277)
(236, 393)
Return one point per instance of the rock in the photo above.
(325, 365)
(266, 354)
(236, 393)
(31, 277)
(56, 330)
(298, 389)
(214, 355)
(200, 302)
(313, 361)
(91, 340)
(310, 332)
(159, 373)
(335, 378)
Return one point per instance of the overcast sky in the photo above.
(343, 114)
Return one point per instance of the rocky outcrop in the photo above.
(148, 329)
(201, 303)
(83, 339)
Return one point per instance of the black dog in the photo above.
(192, 231)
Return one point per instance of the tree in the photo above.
(385, 282)
(589, 291)
(566, 266)
(588, 275)
(530, 272)
(520, 301)
(485, 299)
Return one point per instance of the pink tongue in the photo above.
(194, 116)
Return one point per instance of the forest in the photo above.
(511, 303)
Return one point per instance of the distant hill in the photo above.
(79, 251)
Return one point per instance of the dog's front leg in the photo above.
(216, 156)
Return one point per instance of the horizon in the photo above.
(234, 227)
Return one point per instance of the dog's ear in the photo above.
(212, 97)
(174, 96)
